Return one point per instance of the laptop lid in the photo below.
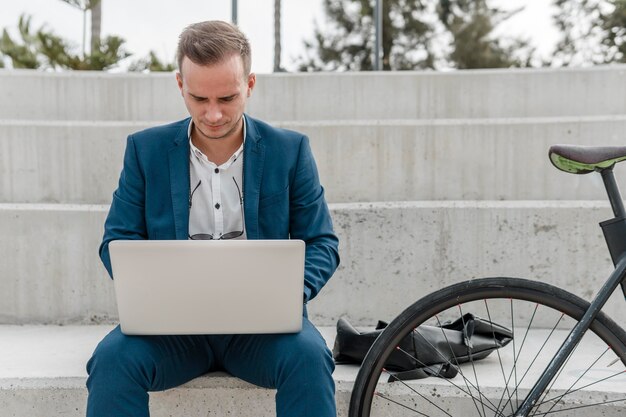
(208, 287)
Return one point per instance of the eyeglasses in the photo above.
(225, 236)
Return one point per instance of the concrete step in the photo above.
(392, 95)
(362, 160)
(392, 255)
(42, 374)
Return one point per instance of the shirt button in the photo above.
(217, 206)
(217, 170)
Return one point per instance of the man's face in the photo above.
(215, 96)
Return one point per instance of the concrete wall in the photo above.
(382, 160)
(392, 254)
(324, 96)
(444, 146)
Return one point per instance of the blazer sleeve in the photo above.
(126, 218)
(310, 221)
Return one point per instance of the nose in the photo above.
(213, 113)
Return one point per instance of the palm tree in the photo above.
(277, 46)
(23, 53)
(96, 23)
(84, 6)
(42, 48)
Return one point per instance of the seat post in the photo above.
(614, 196)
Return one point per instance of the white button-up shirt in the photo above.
(216, 193)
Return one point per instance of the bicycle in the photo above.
(547, 322)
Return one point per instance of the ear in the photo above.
(251, 83)
(179, 80)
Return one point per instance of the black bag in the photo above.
(428, 351)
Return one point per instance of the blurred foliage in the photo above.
(96, 18)
(422, 34)
(44, 49)
(577, 22)
(152, 63)
(614, 23)
(348, 42)
(417, 34)
(23, 54)
(83, 5)
(592, 32)
(471, 24)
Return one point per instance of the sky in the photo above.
(155, 24)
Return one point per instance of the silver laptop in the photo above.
(208, 287)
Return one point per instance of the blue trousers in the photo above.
(124, 368)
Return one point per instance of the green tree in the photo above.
(110, 51)
(462, 30)
(347, 41)
(23, 53)
(44, 49)
(86, 6)
(613, 23)
(592, 32)
(614, 26)
(471, 24)
(152, 63)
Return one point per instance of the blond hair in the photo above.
(210, 42)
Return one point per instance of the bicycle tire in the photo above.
(519, 293)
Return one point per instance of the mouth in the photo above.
(217, 127)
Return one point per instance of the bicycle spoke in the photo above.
(456, 361)
(586, 386)
(400, 404)
(491, 406)
(556, 377)
(471, 357)
(415, 391)
(569, 390)
(538, 315)
(581, 406)
(493, 335)
(545, 342)
(613, 362)
(516, 355)
(520, 351)
(467, 381)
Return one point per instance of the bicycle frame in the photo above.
(615, 234)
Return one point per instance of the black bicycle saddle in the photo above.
(577, 159)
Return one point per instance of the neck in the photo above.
(218, 150)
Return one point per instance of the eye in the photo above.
(227, 99)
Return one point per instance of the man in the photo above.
(191, 179)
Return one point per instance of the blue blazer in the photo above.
(283, 197)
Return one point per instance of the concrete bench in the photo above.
(364, 95)
(42, 374)
(392, 255)
(358, 160)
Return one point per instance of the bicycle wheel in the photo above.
(592, 382)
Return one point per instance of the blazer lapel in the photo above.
(179, 182)
(253, 161)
